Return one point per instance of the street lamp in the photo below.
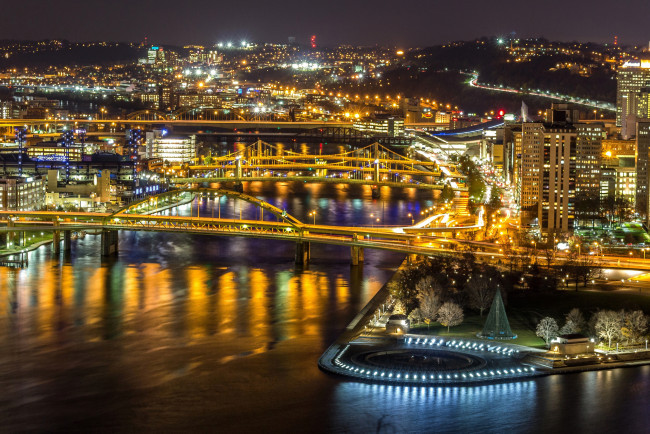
(412, 219)
(313, 214)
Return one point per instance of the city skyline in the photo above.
(409, 25)
(324, 217)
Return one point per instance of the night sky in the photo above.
(391, 23)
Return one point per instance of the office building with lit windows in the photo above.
(632, 83)
(22, 194)
(589, 138)
(642, 155)
(381, 125)
(174, 150)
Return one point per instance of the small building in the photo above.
(572, 344)
(48, 151)
(398, 324)
(176, 150)
(381, 125)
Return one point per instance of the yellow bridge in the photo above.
(285, 227)
(371, 165)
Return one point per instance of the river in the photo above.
(188, 332)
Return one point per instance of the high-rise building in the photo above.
(155, 55)
(588, 159)
(618, 170)
(532, 139)
(642, 155)
(548, 173)
(166, 98)
(556, 206)
(516, 163)
(632, 80)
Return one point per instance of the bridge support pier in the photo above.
(357, 255)
(238, 168)
(376, 194)
(67, 241)
(56, 238)
(302, 253)
(238, 187)
(11, 236)
(109, 242)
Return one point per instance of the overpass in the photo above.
(221, 123)
(284, 227)
(231, 124)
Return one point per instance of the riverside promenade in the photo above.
(365, 352)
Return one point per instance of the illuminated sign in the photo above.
(645, 64)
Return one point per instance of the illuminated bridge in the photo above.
(138, 217)
(372, 165)
(143, 119)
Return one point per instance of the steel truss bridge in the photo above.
(371, 165)
(137, 217)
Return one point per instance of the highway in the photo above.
(473, 82)
(231, 124)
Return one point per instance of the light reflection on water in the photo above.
(185, 332)
(604, 401)
(108, 299)
(450, 409)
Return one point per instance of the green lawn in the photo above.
(525, 309)
(474, 324)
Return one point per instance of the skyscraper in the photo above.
(633, 77)
(560, 161)
(556, 206)
(532, 137)
(642, 154)
(589, 139)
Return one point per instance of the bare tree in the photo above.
(429, 297)
(635, 324)
(415, 316)
(402, 288)
(450, 314)
(575, 322)
(547, 329)
(608, 325)
(569, 328)
(480, 294)
(549, 255)
(399, 308)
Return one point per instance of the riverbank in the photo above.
(24, 249)
(365, 352)
(186, 199)
(31, 247)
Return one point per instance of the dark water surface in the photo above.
(203, 333)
